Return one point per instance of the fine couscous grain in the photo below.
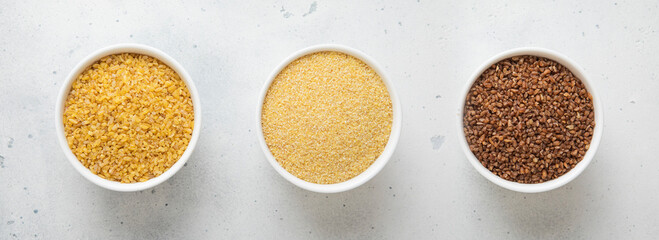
(128, 117)
(327, 117)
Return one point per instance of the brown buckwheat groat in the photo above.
(528, 119)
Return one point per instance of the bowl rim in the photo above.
(66, 88)
(377, 165)
(597, 131)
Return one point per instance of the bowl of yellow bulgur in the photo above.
(328, 118)
(128, 117)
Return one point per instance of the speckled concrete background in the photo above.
(428, 190)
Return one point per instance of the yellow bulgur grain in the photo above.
(128, 117)
(327, 117)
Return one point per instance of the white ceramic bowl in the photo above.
(379, 162)
(78, 69)
(597, 132)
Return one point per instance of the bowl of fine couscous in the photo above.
(128, 117)
(328, 118)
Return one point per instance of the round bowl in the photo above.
(64, 92)
(379, 163)
(594, 143)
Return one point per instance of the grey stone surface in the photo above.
(427, 191)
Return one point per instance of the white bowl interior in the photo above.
(379, 163)
(597, 131)
(78, 69)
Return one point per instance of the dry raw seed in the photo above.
(128, 117)
(542, 110)
(327, 117)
